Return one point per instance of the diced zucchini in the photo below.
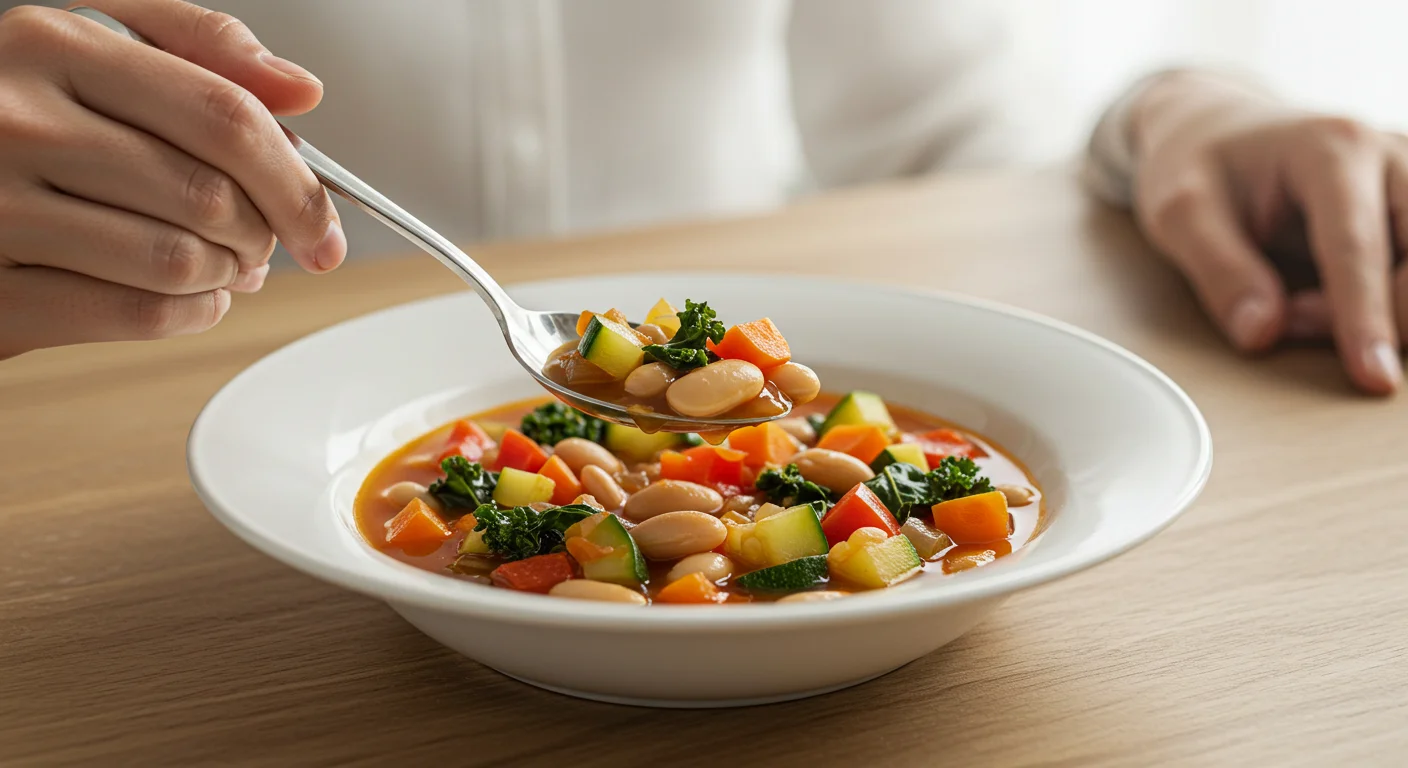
(614, 555)
(790, 534)
(901, 453)
(790, 576)
(632, 444)
(859, 408)
(611, 346)
(495, 429)
(874, 564)
(473, 544)
(928, 541)
(665, 316)
(517, 488)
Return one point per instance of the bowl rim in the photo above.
(464, 598)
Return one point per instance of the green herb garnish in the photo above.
(521, 532)
(902, 487)
(687, 349)
(787, 487)
(551, 423)
(465, 485)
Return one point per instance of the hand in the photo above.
(140, 185)
(1225, 174)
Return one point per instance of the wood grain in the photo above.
(1268, 626)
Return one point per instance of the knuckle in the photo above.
(214, 28)
(156, 315)
(210, 196)
(29, 26)
(1175, 207)
(1341, 133)
(232, 114)
(180, 258)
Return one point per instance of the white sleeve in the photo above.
(886, 88)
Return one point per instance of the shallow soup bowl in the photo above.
(1119, 450)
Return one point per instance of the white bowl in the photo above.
(1119, 449)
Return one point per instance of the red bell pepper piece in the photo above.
(942, 443)
(519, 452)
(859, 508)
(535, 574)
(705, 465)
(467, 439)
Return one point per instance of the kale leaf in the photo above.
(901, 487)
(521, 532)
(551, 423)
(787, 486)
(687, 350)
(465, 485)
(956, 477)
(816, 420)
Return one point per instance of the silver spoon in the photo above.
(531, 335)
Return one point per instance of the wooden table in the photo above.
(1268, 626)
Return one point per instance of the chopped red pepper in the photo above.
(518, 451)
(466, 439)
(535, 574)
(942, 443)
(859, 508)
(705, 465)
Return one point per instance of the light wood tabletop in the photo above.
(1268, 626)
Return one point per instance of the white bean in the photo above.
(587, 589)
(403, 492)
(799, 428)
(797, 381)
(1017, 496)
(676, 534)
(838, 471)
(714, 566)
(664, 496)
(814, 597)
(715, 389)
(650, 380)
(607, 491)
(579, 453)
(655, 332)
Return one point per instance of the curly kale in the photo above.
(786, 486)
(521, 532)
(465, 485)
(902, 487)
(687, 348)
(956, 477)
(551, 423)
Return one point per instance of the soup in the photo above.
(847, 495)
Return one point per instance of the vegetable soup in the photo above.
(847, 494)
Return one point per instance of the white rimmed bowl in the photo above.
(1119, 449)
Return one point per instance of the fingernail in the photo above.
(1382, 361)
(250, 281)
(1247, 324)
(332, 248)
(287, 67)
(222, 303)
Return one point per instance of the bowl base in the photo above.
(631, 701)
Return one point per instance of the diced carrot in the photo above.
(863, 441)
(965, 556)
(705, 465)
(941, 443)
(566, 486)
(583, 320)
(617, 315)
(675, 466)
(694, 588)
(859, 508)
(416, 529)
(535, 574)
(518, 451)
(974, 519)
(584, 550)
(765, 444)
(758, 342)
(466, 523)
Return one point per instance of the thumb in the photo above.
(222, 44)
(1195, 225)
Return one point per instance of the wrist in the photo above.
(1182, 103)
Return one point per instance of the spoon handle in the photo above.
(380, 207)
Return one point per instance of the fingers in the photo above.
(104, 162)
(1308, 317)
(198, 112)
(43, 307)
(1339, 182)
(222, 44)
(1195, 224)
(54, 230)
(1398, 218)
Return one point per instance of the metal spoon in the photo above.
(531, 335)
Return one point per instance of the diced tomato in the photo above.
(765, 444)
(863, 441)
(536, 574)
(519, 452)
(566, 486)
(859, 508)
(416, 530)
(466, 439)
(942, 443)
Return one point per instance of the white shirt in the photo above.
(506, 118)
